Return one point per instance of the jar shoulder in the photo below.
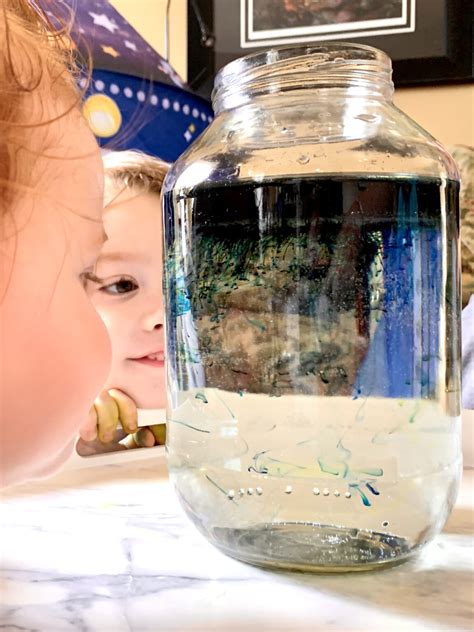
(254, 143)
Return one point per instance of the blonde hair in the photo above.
(35, 55)
(135, 170)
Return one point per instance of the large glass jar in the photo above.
(313, 324)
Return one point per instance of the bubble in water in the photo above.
(288, 489)
(326, 492)
(259, 491)
(230, 494)
(303, 159)
(339, 59)
(385, 523)
(315, 491)
(250, 491)
(348, 494)
(368, 118)
(241, 491)
(284, 130)
(337, 493)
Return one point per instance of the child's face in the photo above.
(55, 348)
(129, 296)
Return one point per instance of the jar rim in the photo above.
(313, 65)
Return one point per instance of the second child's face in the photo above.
(127, 293)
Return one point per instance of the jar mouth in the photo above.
(290, 68)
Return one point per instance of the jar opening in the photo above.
(291, 68)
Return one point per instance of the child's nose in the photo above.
(154, 319)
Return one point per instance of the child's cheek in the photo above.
(58, 358)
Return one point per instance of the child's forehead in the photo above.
(118, 192)
(130, 257)
(118, 195)
(133, 223)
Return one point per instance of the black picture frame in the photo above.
(439, 49)
(201, 46)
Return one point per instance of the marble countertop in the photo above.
(108, 548)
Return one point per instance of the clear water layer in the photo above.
(314, 482)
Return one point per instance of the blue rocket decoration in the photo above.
(135, 99)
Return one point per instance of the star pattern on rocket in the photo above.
(115, 45)
(103, 20)
(110, 50)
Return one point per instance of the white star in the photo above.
(102, 20)
(130, 45)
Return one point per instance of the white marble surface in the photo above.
(108, 548)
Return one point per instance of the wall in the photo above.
(447, 112)
(148, 17)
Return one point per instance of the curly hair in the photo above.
(36, 58)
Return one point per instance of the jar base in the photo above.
(305, 546)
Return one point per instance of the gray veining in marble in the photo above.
(109, 549)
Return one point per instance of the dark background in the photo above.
(439, 51)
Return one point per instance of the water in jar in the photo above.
(313, 419)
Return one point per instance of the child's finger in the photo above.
(159, 432)
(89, 448)
(107, 416)
(127, 410)
(88, 431)
(144, 438)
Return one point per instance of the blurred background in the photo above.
(446, 110)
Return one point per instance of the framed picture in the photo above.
(266, 23)
(429, 41)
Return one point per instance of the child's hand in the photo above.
(146, 437)
(110, 408)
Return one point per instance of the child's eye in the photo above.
(122, 286)
(115, 287)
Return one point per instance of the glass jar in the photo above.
(313, 336)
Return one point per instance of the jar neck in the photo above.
(352, 69)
